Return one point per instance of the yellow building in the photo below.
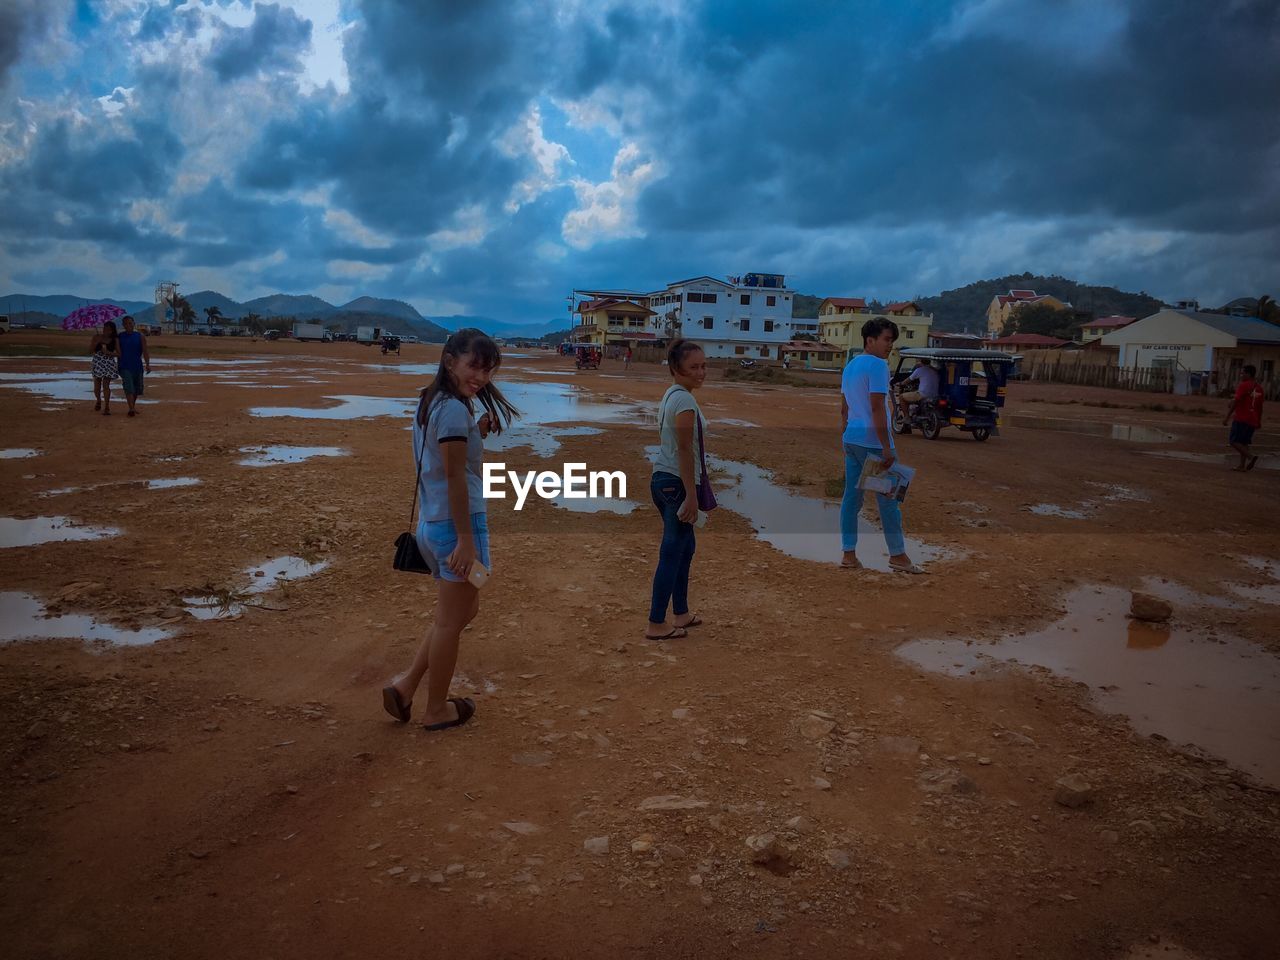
(844, 328)
(1005, 305)
(1092, 330)
(609, 321)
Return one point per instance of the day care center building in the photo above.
(1205, 344)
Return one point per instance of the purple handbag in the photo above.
(706, 496)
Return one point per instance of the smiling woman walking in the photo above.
(448, 448)
(678, 469)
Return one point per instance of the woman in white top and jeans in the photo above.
(448, 442)
(676, 472)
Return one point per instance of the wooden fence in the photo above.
(1096, 368)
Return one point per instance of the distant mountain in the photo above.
(63, 303)
(390, 308)
(285, 305)
(499, 328)
(210, 298)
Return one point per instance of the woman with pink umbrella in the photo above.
(104, 348)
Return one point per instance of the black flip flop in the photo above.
(466, 710)
(677, 633)
(392, 703)
(1253, 462)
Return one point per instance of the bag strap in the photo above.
(697, 419)
(417, 475)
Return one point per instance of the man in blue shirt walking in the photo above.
(864, 410)
(134, 359)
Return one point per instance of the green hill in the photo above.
(965, 308)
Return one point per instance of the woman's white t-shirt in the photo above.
(675, 402)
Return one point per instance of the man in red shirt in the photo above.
(1245, 416)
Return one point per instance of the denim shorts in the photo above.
(131, 380)
(439, 538)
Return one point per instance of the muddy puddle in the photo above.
(165, 483)
(23, 617)
(38, 530)
(1221, 695)
(1132, 432)
(1108, 493)
(800, 526)
(348, 407)
(18, 453)
(59, 386)
(271, 456)
(255, 581)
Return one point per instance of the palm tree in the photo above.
(1267, 309)
(254, 323)
(213, 313)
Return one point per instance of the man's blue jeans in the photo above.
(671, 580)
(851, 505)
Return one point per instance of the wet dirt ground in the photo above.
(228, 786)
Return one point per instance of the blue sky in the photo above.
(486, 157)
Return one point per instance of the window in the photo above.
(739, 351)
(708, 298)
(1268, 367)
(770, 301)
(768, 326)
(745, 299)
(744, 323)
(825, 355)
(911, 334)
(694, 297)
(764, 351)
(706, 322)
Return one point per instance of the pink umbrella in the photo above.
(94, 315)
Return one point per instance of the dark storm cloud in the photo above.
(162, 20)
(1168, 121)
(23, 24)
(866, 144)
(274, 40)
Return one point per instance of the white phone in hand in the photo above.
(479, 575)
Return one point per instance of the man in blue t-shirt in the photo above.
(864, 409)
(134, 358)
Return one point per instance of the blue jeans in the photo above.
(851, 505)
(671, 580)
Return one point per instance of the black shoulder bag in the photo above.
(408, 557)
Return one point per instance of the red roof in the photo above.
(1112, 321)
(1029, 340)
(1023, 294)
(900, 306)
(591, 306)
(857, 302)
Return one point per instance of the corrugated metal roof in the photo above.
(1248, 329)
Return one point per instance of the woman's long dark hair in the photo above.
(110, 325)
(480, 345)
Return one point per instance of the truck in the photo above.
(369, 335)
(310, 331)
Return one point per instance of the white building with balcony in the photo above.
(748, 316)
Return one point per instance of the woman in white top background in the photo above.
(677, 470)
